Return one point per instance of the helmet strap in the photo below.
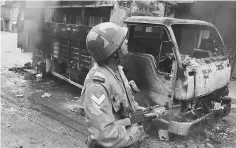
(116, 55)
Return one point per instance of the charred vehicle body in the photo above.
(177, 64)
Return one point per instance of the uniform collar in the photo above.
(113, 73)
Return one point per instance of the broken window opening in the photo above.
(68, 15)
(166, 57)
(149, 40)
(94, 16)
(198, 41)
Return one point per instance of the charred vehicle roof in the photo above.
(164, 20)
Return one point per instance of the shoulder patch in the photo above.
(99, 77)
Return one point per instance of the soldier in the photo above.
(107, 96)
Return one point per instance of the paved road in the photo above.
(29, 128)
(22, 125)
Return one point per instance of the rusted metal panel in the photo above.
(180, 90)
(191, 86)
(211, 77)
(142, 69)
(203, 78)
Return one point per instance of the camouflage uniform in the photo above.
(105, 100)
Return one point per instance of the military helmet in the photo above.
(104, 39)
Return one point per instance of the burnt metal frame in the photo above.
(68, 79)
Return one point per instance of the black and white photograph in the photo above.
(118, 74)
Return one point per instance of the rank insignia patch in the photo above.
(98, 100)
(99, 77)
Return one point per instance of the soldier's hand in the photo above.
(136, 132)
(143, 133)
(133, 86)
(158, 114)
(140, 108)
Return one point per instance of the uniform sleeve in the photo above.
(100, 120)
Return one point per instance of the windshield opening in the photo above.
(198, 41)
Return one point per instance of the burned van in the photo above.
(179, 64)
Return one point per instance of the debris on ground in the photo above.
(40, 67)
(22, 83)
(163, 135)
(233, 106)
(213, 136)
(77, 98)
(208, 145)
(76, 108)
(46, 95)
(17, 69)
(32, 71)
(79, 111)
(8, 125)
(20, 96)
(28, 65)
(34, 141)
(39, 76)
(51, 82)
(19, 146)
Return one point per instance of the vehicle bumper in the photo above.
(174, 124)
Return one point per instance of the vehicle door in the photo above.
(151, 63)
